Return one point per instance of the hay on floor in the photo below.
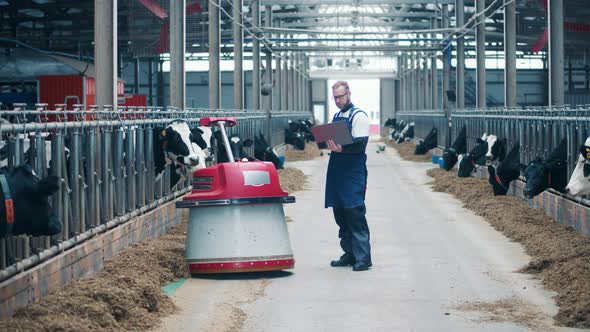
(560, 256)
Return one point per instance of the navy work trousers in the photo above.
(354, 232)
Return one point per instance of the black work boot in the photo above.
(344, 260)
(362, 266)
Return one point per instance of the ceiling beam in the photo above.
(375, 48)
(359, 14)
(360, 2)
(407, 25)
(325, 32)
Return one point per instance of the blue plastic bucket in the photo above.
(435, 159)
(441, 163)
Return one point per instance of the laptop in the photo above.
(336, 131)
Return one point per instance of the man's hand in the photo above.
(333, 146)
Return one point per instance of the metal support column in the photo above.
(296, 81)
(238, 55)
(446, 82)
(419, 83)
(460, 74)
(300, 82)
(307, 105)
(509, 53)
(105, 52)
(177, 52)
(151, 82)
(291, 85)
(400, 75)
(403, 81)
(214, 51)
(294, 64)
(160, 83)
(268, 57)
(284, 84)
(556, 51)
(136, 76)
(411, 82)
(255, 54)
(407, 82)
(480, 31)
(434, 73)
(570, 75)
(416, 79)
(279, 77)
(427, 89)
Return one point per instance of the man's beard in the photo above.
(345, 106)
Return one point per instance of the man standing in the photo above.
(346, 183)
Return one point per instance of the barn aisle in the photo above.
(433, 262)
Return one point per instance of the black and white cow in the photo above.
(302, 126)
(396, 127)
(541, 174)
(487, 149)
(33, 214)
(175, 144)
(579, 184)
(477, 156)
(203, 138)
(459, 146)
(507, 171)
(236, 144)
(295, 136)
(497, 148)
(429, 142)
(390, 122)
(27, 140)
(406, 134)
(306, 128)
(263, 151)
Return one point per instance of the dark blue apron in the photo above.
(346, 181)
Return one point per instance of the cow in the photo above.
(32, 209)
(507, 171)
(263, 151)
(27, 140)
(487, 149)
(302, 126)
(429, 142)
(477, 155)
(390, 123)
(203, 138)
(396, 128)
(497, 148)
(175, 144)
(306, 128)
(294, 135)
(541, 174)
(459, 146)
(406, 134)
(579, 184)
(236, 144)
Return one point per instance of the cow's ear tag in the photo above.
(587, 152)
(163, 133)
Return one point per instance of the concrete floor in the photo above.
(429, 255)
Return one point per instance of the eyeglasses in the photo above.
(338, 97)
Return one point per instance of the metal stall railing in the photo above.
(105, 162)
(538, 130)
(424, 121)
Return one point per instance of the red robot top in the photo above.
(236, 180)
